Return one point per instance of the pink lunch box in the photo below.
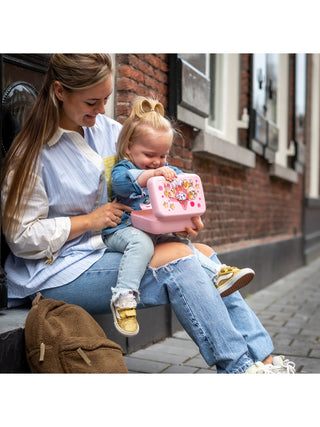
(172, 204)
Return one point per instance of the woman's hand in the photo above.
(106, 216)
(193, 232)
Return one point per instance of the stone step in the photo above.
(12, 347)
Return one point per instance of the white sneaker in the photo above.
(283, 366)
(260, 368)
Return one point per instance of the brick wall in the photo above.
(140, 74)
(242, 203)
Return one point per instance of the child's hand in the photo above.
(168, 173)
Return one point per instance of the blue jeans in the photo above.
(137, 248)
(227, 332)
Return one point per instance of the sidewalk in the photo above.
(290, 311)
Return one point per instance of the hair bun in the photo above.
(159, 108)
(147, 105)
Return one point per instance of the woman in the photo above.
(55, 204)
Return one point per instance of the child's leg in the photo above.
(137, 249)
(210, 267)
(226, 279)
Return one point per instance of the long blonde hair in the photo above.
(74, 72)
(146, 113)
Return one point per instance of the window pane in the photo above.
(216, 98)
(259, 83)
(197, 60)
(272, 86)
(300, 94)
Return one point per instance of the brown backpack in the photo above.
(64, 338)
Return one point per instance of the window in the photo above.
(192, 88)
(300, 110)
(313, 187)
(209, 101)
(269, 118)
(259, 80)
(216, 91)
(225, 117)
(197, 60)
(210, 89)
(300, 97)
(265, 85)
(264, 126)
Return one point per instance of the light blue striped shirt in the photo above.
(71, 180)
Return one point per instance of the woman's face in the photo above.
(150, 149)
(81, 107)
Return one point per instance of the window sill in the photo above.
(210, 146)
(190, 118)
(284, 173)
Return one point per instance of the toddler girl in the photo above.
(143, 145)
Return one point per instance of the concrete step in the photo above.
(12, 347)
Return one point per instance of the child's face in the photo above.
(150, 150)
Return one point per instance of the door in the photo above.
(21, 77)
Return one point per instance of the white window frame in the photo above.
(279, 167)
(314, 191)
(223, 142)
(110, 110)
(229, 65)
(283, 111)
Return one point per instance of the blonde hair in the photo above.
(146, 113)
(74, 72)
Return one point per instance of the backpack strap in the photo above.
(37, 298)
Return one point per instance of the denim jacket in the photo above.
(127, 191)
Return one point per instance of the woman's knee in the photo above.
(168, 252)
(205, 249)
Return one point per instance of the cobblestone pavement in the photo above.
(290, 311)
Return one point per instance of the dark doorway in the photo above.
(21, 76)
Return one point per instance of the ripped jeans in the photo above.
(138, 248)
(227, 332)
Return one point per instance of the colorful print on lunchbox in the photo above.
(172, 204)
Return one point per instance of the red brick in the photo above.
(152, 60)
(177, 162)
(143, 91)
(145, 68)
(126, 84)
(127, 71)
(123, 109)
(126, 97)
